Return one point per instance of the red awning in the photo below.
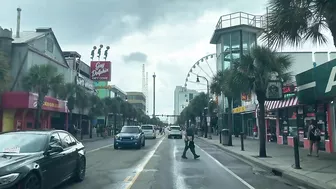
(26, 100)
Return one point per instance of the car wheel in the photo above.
(144, 143)
(115, 147)
(32, 181)
(168, 137)
(80, 170)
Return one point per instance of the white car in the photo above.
(149, 131)
(175, 132)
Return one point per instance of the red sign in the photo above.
(101, 70)
(288, 89)
(51, 104)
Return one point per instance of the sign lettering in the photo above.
(331, 82)
(100, 69)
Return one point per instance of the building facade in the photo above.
(138, 100)
(25, 50)
(117, 92)
(182, 97)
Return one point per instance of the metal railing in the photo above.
(240, 18)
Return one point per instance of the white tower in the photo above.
(143, 79)
(146, 94)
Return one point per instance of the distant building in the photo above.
(117, 92)
(182, 97)
(138, 100)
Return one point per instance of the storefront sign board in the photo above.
(317, 83)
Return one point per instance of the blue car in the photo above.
(129, 136)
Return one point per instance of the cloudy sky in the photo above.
(169, 36)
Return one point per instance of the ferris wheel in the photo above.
(200, 72)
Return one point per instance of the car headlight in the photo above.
(136, 137)
(117, 137)
(7, 179)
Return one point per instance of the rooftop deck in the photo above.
(240, 18)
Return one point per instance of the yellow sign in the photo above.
(239, 109)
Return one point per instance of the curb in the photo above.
(95, 139)
(286, 174)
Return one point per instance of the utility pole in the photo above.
(154, 76)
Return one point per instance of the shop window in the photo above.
(29, 125)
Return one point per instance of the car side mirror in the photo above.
(54, 149)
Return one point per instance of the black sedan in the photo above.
(130, 136)
(40, 159)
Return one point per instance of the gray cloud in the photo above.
(135, 57)
(82, 21)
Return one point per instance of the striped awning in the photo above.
(271, 105)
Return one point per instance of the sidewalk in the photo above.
(316, 172)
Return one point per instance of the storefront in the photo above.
(248, 121)
(281, 120)
(19, 110)
(316, 89)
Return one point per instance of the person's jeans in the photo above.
(189, 145)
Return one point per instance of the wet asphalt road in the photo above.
(159, 166)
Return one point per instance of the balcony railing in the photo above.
(240, 18)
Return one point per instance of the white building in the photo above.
(182, 97)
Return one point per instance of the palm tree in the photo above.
(4, 72)
(96, 108)
(67, 92)
(82, 102)
(294, 22)
(254, 71)
(222, 83)
(111, 105)
(41, 79)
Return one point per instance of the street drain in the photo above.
(277, 172)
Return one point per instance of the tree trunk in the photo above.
(262, 129)
(230, 126)
(90, 126)
(40, 102)
(115, 125)
(80, 126)
(70, 121)
(106, 117)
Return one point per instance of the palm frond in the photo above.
(294, 22)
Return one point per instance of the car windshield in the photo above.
(130, 130)
(147, 127)
(22, 142)
(175, 128)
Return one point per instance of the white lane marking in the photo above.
(226, 169)
(180, 182)
(144, 161)
(94, 150)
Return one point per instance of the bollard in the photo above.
(296, 153)
(242, 141)
(220, 137)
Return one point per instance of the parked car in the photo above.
(40, 159)
(149, 131)
(175, 132)
(130, 136)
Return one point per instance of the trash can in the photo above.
(225, 137)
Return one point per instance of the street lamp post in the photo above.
(208, 112)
